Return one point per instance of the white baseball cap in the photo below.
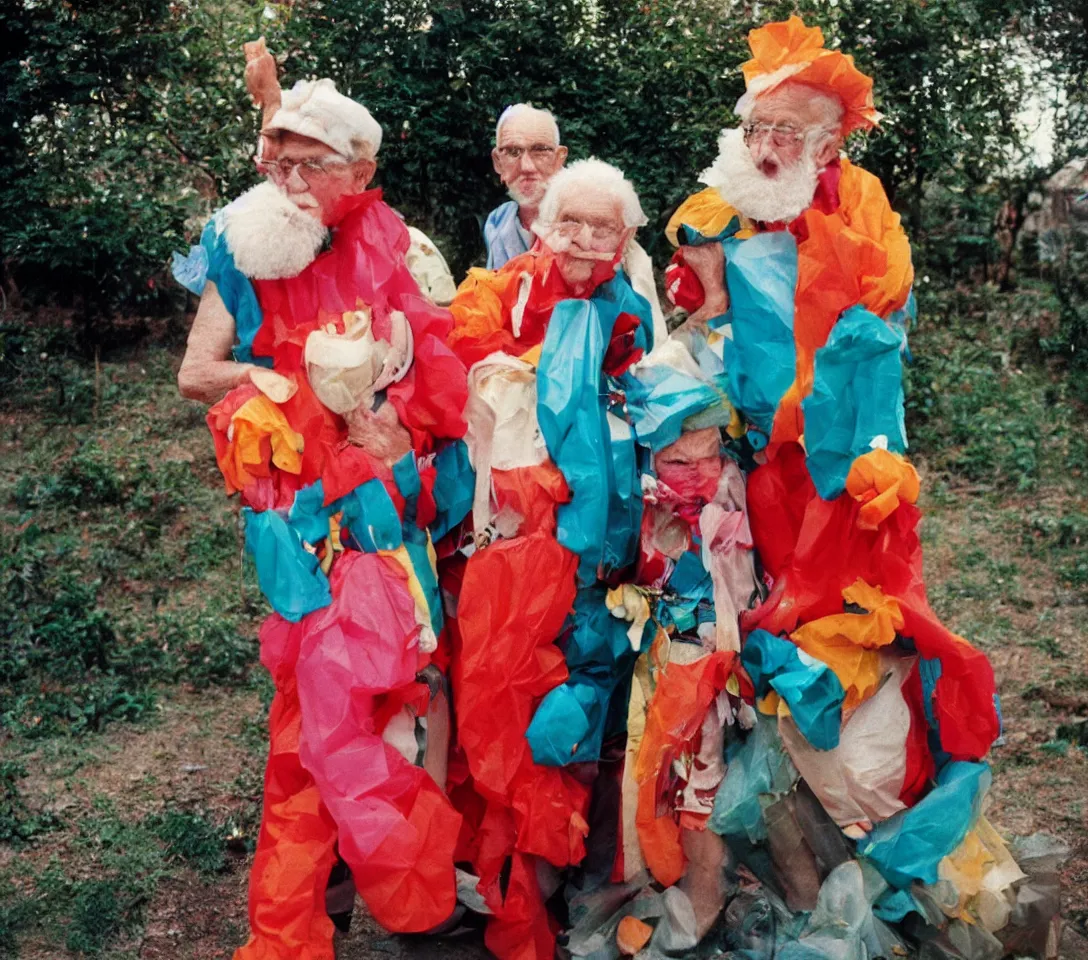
(314, 109)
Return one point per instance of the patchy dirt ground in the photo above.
(130, 784)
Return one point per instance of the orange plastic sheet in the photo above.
(879, 480)
(296, 850)
(848, 642)
(514, 598)
(790, 45)
(680, 700)
(506, 309)
(858, 254)
(828, 553)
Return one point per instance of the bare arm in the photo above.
(207, 373)
(707, 262)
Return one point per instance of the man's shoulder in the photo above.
(502, 214)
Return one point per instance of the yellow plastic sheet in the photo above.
(880, 480)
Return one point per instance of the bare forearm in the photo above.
(210, 380)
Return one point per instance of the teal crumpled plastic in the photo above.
(572, 406)
(910, 845)
(809, 687)
(759, 771)
(289, 575)
(857, 395)
(759, 352)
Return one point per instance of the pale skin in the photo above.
(593, 225)
(787, 106)
(207, 370)
(525, 177)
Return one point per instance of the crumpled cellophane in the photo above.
(343, 556)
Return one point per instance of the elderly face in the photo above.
(781, 124)
(588, 232)
(526, 156)
(311, 173)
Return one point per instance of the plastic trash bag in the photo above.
(809, 687)
(761, 274)
(290, 576)
(860, 780)
(758, 772)
(856, 399)
(910, 845)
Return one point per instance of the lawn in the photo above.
(132, 703)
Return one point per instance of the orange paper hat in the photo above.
(791, 51)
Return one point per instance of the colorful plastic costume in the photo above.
(344, 556)
(540, 667)
(857, 782)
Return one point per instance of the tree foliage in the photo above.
(125, 123)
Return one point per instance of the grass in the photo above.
(132, 721)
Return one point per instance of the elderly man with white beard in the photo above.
(835, 240)
(333, 391)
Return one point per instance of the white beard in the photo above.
(749, 191)
(269, 236)
(520, 197)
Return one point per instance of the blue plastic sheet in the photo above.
(809, 687)
(761, 274)
(289, 575)
(572, 401)
(309, 516)
(689, 597)
(857, 395)
(191, 269)
(910, 845)
(454, 485)
(236, 291)
(371, 519)
(758, 772)
(661, 398)
(569, 724)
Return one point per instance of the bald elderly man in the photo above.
(527, 154)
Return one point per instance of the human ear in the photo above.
(560, 156)
(364, 172)
(496, 161)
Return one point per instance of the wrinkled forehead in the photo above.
(527, 128)
(590, 206)
(795, 104)
(284, 145)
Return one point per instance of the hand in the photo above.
(707, 262)
(380, 434)
(261, 74)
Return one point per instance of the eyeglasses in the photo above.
(539, 152)
(281, 170)
(600, 231)
(782, 135)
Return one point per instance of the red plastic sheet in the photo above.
(813, 562)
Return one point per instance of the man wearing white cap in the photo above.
(333, 389)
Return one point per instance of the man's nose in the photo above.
(525, 162)
(762, 150)
(294, 182)
(584, 235)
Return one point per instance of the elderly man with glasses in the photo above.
(526, 156)
(541, 667)
(333, 389)
(829, 704)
